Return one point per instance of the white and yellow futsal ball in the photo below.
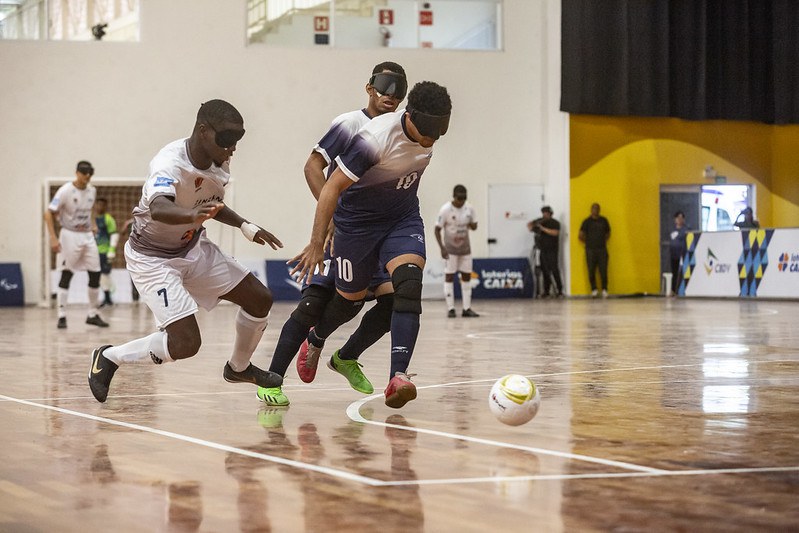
(514, 400)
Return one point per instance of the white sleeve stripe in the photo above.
(323, 153)
(347, 171)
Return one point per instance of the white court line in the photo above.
(208, 444)
(646, 472)
(353, 411)
(178, 394)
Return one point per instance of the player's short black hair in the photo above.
(459, 190)
(389, 66)
(84, 167)
(678, 213)
(101, 199)
(430, 98)
(216, 112)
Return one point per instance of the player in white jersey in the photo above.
(177, 268)
(386, 89)
(455, 219)
(74, 246)
(373, 195)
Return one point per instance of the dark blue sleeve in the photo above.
(359, 156)
(335, 141)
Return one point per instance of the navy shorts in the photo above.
(362, 255)
(327, 279)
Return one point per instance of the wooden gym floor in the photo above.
(657, 415)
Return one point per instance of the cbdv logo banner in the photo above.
(711, 268)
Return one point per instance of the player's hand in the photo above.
(308, 261)
(264, 237)
(444, 253)
(331, 231)
(111, 254)
(206, 212)
(55, 245)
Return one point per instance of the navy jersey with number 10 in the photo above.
(386, 166)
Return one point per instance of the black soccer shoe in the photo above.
(469, 313)
(451, 313)
(100, 374)
(62, 322)
(252, 374)
(97, 321)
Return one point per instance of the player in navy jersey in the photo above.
(372, 199)
(175, 265)
(386, 88)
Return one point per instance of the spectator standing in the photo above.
(547, 232)
(595, 232)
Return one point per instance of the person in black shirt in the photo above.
(594, 232)
(746, 220)
(677, 249)
(547, 236)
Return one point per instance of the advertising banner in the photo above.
(12, 292)
(748, 263)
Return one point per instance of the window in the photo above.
(442, 24)
(70, 20)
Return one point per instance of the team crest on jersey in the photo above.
(198, 183)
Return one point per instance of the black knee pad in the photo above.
(94, 280)
(312, 305)
(66, 277)
(407, 281)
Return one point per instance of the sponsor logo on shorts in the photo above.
(418, 237)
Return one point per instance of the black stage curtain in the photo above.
(692, 59)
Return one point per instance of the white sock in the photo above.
(150, 349)
(61, 299)
(94, 294)
(449, 294)
(249, 330)
(466, 294)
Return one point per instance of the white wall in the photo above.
(116, 104)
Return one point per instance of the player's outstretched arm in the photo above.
(253, 232)
(312, 256)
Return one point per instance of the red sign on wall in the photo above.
(386, 17)
(425, 18)
(321, 23)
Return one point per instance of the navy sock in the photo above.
(291, 337)
(404, 331)
(375, 323)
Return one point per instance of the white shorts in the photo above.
(174, 288)
(78, 251)
(458, 263)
